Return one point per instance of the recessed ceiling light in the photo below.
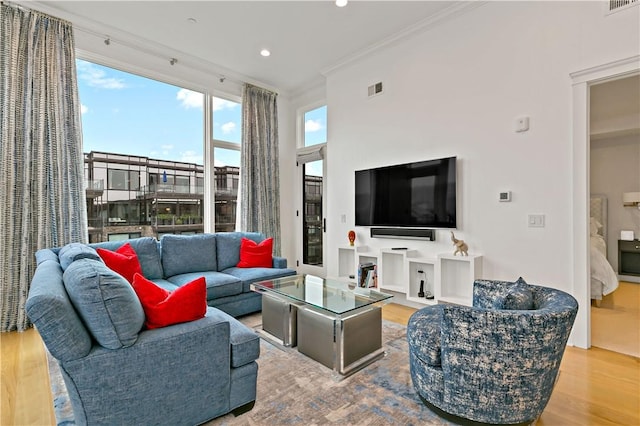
(265, 52)
(341, 3)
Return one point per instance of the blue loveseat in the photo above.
(496, 361)
(116, 372)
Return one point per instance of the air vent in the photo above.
(375, 89)
(616, 5)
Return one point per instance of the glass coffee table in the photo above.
(330, 321)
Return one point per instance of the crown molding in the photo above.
(445, 15)
(622, 67)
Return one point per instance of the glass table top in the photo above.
(338, 297)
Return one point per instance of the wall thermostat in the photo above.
(505, 196)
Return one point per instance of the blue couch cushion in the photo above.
(167, 285)
(245, 343)
(188, 253)
(250, 275)
(218, 284)
(146, 249)
(74, 251)
(424, 334)
(106, 303)
(228, 247)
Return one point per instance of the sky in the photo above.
(127, 114)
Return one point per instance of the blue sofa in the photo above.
(177, 259)
(116, 372)
(496, 361)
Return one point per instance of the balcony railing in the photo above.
(173, 220)
(170, 188)
(94, 185)
(94, 188)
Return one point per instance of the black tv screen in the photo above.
(420, 194)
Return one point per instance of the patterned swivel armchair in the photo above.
(495, 362)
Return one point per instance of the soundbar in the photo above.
(411, 233)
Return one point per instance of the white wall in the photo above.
(456, 90)
(615, 169)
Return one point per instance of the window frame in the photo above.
(212, 144)
(208, 143)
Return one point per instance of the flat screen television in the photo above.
(420, 194)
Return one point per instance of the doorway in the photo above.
(614, 169)
(582, 82)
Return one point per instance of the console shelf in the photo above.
(428, 266)
(447, 277)
(455, 277)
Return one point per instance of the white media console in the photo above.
(447, 277)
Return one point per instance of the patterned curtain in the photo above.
(41, 162)
(259, 175)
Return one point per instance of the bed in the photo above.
(603, 278)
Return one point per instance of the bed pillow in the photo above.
(254, 255)
(163, 308)
(594, 226)
(124, 261)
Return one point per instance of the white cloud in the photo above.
(83, 109)
(219, 104)
(312, 125)
(218, 163)
(166, 149)
(96, 77)
(189, 98)
(191, 157)
(228, 127)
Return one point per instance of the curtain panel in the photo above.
(41, 160)
(259, 170)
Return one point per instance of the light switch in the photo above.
(536, 221)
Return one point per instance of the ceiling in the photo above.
(306, 38)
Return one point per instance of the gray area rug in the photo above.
(294, 389)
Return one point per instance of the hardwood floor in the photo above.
(26, 394)
(615, 324)
(595, 387)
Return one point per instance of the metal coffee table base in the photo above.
(345, 344)
(279, 321)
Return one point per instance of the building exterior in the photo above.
(130, 196)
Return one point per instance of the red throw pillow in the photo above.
(124, 261)
(254, 255)
(163, 308)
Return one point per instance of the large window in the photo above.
(310, 157)
(143, 143)
(226, 139)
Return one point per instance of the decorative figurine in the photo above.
(421, 292)
(461, 246)
(352, 237)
